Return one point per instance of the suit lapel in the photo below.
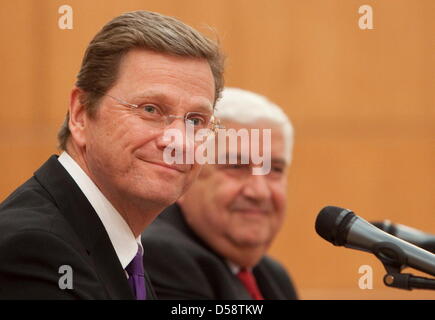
(151, 295)
(234, 289)
(110, 270)
(266, 283)
(76, 208)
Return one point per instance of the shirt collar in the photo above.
(120, 234)
(235, 268)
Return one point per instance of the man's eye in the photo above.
(196, 121)
(149, 108)
(237, 166)
(278, 169)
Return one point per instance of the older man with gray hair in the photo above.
(212, 243)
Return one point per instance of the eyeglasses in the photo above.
(155, 117)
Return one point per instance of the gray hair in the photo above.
(246, 107)
(138, 29)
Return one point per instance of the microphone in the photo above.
(342, 227)
(419, 238)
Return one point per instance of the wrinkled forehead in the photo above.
(145, 73)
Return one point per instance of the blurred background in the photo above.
(362, 103)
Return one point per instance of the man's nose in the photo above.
(257, 188)
(176, 134)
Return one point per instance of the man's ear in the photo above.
(77, 117)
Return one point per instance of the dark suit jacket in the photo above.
(46, 223)
(182, 266)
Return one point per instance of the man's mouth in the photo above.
(251, 210)
(182, 168)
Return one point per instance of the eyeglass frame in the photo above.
(215, 123)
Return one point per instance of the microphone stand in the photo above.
(394, 260)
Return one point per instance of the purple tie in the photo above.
(136, 276)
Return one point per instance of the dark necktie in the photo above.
(248, 280)
(136, 276)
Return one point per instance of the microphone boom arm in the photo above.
(394, 260)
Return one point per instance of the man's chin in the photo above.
(250, 241)
(160, 197)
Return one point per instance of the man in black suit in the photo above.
(212, 243)
(72, 231)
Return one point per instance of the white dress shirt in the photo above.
(120, 234)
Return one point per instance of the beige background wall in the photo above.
(362, 103)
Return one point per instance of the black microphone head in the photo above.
(332, 224)
(342, 227)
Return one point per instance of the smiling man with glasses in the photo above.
(73, 230)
